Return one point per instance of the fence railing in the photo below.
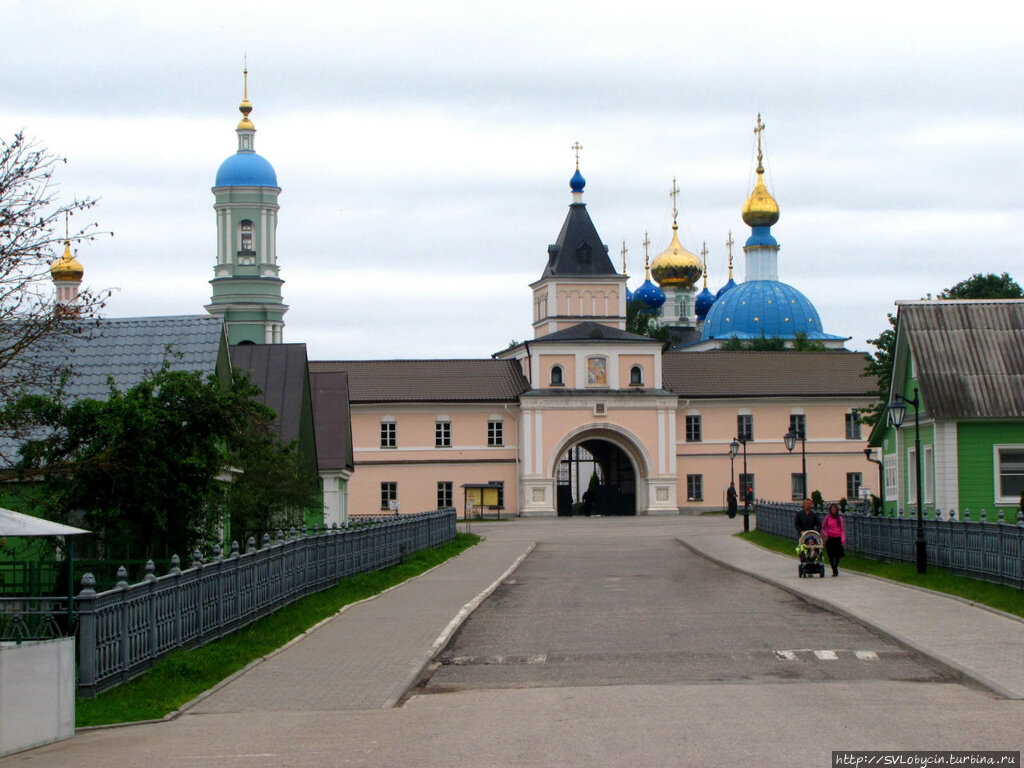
(983, 549)
(123, 631)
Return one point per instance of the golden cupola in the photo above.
(67, 268)
(760, 210)
(676, 267)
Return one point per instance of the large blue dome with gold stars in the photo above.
(763, 308)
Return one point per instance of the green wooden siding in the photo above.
(976, 462)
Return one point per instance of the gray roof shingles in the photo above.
(279, 370)
(968, 356)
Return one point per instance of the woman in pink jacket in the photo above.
(834, 531)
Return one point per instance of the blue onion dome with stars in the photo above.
(703, 303)
(245, 168)
(725, 288)
(762, 305)
(649, 296)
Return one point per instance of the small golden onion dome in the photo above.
(245, 124)
(67, 267)
(760, 210)
(676, 267)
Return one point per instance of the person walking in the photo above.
(806, 519)
(834, 531)
(731, 500)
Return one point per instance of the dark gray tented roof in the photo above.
(718, 373)
(590, 331)
(578, 251)
(329, 390)
(382, 381)
(279, 370)
(129, 348)
(968, 356)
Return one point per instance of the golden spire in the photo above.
(704, 253)
(245, 124)
(623, 257)
(647, 268)
(729, 244)
(67, 267)
(676, 267)
(760, 210)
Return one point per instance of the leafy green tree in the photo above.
(762, 344)
(990, 286)
(643, 323)
(141, 468)
(803, 344)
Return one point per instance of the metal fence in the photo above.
(123, 631)
(983, 549)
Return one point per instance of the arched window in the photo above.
(556, 376)
(245, 230)
(636, 376)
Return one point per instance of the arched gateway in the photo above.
(619, 460)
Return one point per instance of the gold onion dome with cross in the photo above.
(676, 267)
(760, 210)
(67, 267)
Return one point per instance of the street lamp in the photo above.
(791, 437)
(897, 412)
(733, 448)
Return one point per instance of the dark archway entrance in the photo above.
(615, 490)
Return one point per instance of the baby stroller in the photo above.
(810, 549)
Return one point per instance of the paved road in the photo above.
(649, 612)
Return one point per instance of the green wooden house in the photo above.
(964, 361)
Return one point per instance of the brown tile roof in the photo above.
(279, 370)
(968, 356)
(329, 391)
(718, 373)
(385, 381)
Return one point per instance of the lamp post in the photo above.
(791, 437)
(733, 448)
(897, 411)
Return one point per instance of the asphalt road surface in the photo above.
(648, 611)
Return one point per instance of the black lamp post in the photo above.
(733, 448)
(897, 412)
(791, 437)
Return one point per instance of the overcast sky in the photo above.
(424, 154)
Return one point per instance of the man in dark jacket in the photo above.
(807, 519)
(731, 500)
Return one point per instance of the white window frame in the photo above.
(892, 480)
(798, 419)
(997, 485)
(852, 426)
(640, 379)
(388, 493)
(695, 482)
(445, 493)
(860, 484)
(561, 376)
(442, 433)
(495, 433)
(928, 473)
(699, 422)
(388, 433)
(739, 432)
(912, 476)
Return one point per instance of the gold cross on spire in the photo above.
(674, 194)
(729, 244)
(623, 257)
(704, 253)
(647, 268)
(576, 148)
(759, 130)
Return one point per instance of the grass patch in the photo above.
(1002, 597)
(182, 675)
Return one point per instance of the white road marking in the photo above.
(786, 655)
(866, 655)
(826, 655)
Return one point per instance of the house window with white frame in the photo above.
(444, 494)
(798, 425)
(796, 485)
(928, 474)
(911, 476)
(1009, 462)
(636, 376)
(557, 377)
(695, 487)
(495, 433)
(442, 434)
(388, 434)
(388, 493)
(854, 480)
(693, 428)
(891, 479)
(745, 426)
(852, 426)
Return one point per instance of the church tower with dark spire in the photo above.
(246, 284)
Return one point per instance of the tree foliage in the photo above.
(31, 238)
(141, 468)
(644, 323)
(990, 286)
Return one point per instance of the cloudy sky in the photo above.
(424, 148)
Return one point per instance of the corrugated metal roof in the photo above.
(383, 381)
(718, 373)
(968, 356)
(329, 390)
(279, 370)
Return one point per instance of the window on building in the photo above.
(891, 479)
(556, 376)
(636, 376)
(245, 235)
(693, 429)
(745, 426)
(442, 434)
(495, 433)
(852, 427)
(798, 424)
(911, 476)
(695, 487)
(746, 481)
(1010, 469)
(796, 484)
(388, 434)
(854, 480)
(444, 494)
(388, 493)
(928, 474)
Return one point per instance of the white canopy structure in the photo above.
(17, 524)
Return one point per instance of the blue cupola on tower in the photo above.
(245, 168)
